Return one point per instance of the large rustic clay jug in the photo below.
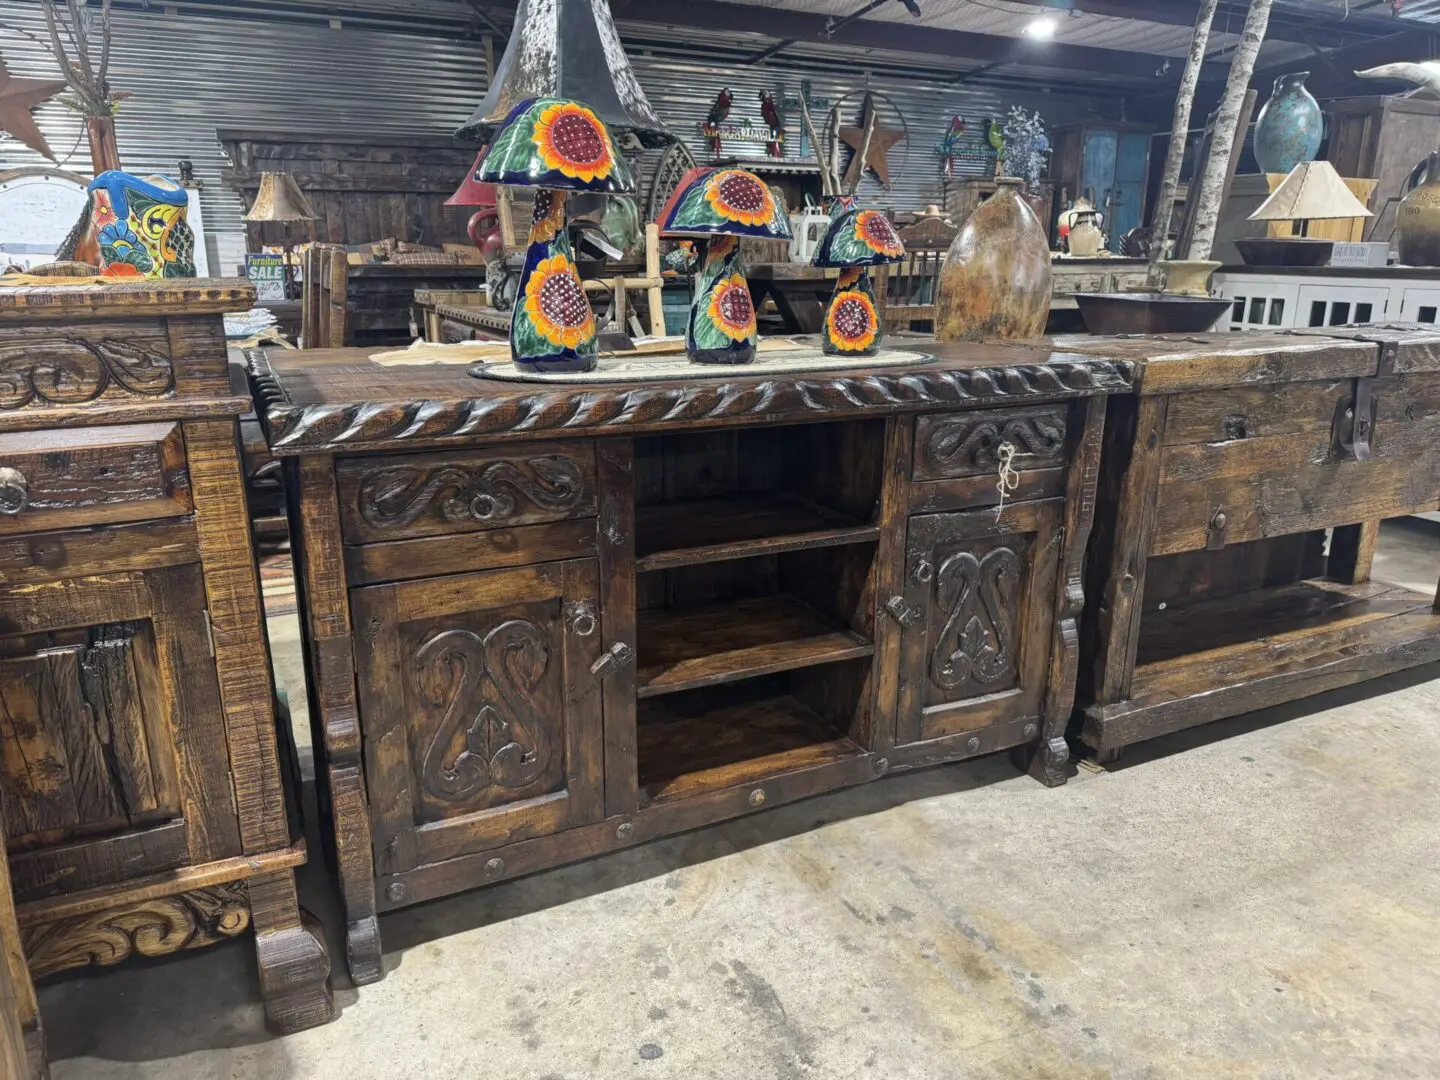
(1290, 127)
(1417, 222)
(995, 283)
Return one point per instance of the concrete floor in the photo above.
(1256, 899)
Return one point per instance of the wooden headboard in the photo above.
(363, 189)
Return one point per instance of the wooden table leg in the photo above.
(802, 312)
(1352, 552)
(22, 1040)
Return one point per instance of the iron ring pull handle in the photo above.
(14, 491)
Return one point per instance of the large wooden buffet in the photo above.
(142, 784)
(1213, 588)
(547, 621)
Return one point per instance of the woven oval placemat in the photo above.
(621, 368)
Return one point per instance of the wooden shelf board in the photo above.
(713, 530)
(1248, 620)
(682, 756)
(709, 644)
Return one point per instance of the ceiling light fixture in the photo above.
(1042, 26)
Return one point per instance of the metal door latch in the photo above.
(612, 660)
(903, 613)
(1355, 422)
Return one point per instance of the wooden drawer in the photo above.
(968, 444)
(90, 476)
(1124, 282)
(409, 495)
(1263, 457)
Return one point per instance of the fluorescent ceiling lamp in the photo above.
(1042, 26)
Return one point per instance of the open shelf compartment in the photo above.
(690, 744)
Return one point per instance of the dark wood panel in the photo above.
(968, 444)
(1254, 412)
(84, 476)
(49, 556)
(716, 643)
(711, 530)
(394, 498)
(433, 556)
(115, 860)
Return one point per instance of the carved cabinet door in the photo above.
(481, 717)
(978, 617)
(113, 755)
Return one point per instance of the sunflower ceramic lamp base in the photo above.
(722, 316)
(553, 326)
(852, 323)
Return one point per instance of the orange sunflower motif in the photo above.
(731, 309)
(572, 140)
(849, 277)
(549, 216)
(556, 303)
(878, 234)
(738, 196)
(851, 321)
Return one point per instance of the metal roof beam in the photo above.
(1296, 23)
(898, 36)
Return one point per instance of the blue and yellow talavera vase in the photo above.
(1291, 126)
(552, 327)
(140, 227)
(722, 326)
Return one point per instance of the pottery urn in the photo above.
(995, 284)
(1290, 127)
(1417, 222)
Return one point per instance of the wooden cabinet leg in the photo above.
(294, 962)
(1352, 552)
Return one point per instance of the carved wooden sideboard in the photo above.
(140, 768)
(1213, 588)
(549, 621)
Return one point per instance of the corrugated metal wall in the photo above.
(191, 75)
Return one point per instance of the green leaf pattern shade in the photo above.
(558, 144)
(723, 202)
(859, 238)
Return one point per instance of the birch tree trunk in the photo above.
(1179, 137)
(1242, 67)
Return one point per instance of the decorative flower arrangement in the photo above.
(1026, 146)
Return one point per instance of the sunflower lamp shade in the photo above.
(722, 206)
(557, 146)
(856, 241)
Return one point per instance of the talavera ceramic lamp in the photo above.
(722, 206)
(1312, 192)
(557, 146)
(856, 241)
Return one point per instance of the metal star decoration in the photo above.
(17, 97)
(881, 140)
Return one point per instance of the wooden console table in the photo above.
(141, 770)
(1211, 591)
(546, 621)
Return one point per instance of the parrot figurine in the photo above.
(718, 112)
(770, 109)
(950, 145)
(994, 136)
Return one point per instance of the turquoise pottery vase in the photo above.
(1290, 126)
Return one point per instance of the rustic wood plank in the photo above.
(434, 597)
(207, 296)
(723, 747)
(688, 532)
(49, 556)
(584, 718)
(112, 861)
(1352, 551)
(493, 549)
(615, 476)
(895, 494)
(22, 1040)
(711, 644)
(969, 492)
(1253, 412)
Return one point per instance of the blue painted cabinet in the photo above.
(1108, 164)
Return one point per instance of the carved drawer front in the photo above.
(480, 709)
(1068, 283)
(405, 495)
(89, 476)
(978, 618)
(968, 443)
(113, 761)
(1257, 465)
(1128, 282)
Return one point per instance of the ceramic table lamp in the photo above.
(721, 206)
(856, 241)
(1312, 192)
(557, 146)
(281, 202)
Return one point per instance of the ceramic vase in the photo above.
(1290, 126)
(1417, 222)
(552, 327)
(1189, 277)
(722, 315)
(852, 323)
(995, 284)
(139, 226)
(1086, 239)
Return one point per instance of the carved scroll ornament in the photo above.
(397, 496)
(72, 370)
(980, 597)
